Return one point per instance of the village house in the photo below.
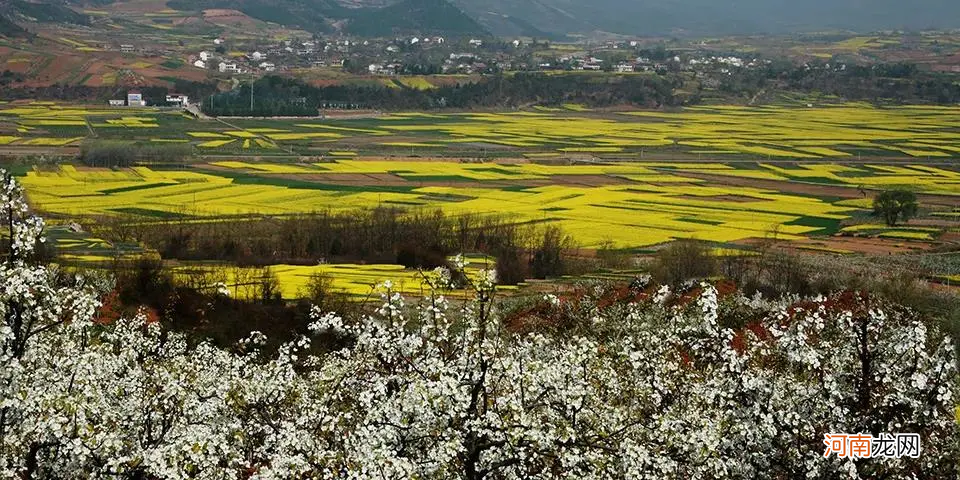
(476, 43)
(200, 64)
(205, 56)
(178, 99)
(376, 69)
(117, 103)
(257, 56)
(135, 99)
(126, 48)
(228, 67)
(268, 67)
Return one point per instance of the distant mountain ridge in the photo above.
(549, 18)
(657, 17)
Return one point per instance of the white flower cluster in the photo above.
(222, 289)
(25, 230)
(552, 299)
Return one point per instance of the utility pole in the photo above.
(251, 96)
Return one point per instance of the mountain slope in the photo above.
(634, 17)
(40, 12)
(371, 18)
(9, 29)
(425, 17)
(314, 15)
(509, 26)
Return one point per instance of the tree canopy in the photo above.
(895, 205)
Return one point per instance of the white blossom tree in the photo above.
(650, 384)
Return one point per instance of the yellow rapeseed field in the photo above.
(657, 204)
(714, 132)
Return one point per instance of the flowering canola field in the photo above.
(633, 205)
(849, 130)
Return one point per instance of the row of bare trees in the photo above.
(415, 239)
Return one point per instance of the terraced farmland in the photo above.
(632, 205)
(717, 133)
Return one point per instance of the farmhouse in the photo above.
(178, 99)
(135, 99)
(377, 69)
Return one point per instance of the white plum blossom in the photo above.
(458, 262)
(662, 295)
(221, 289)
(552, 299)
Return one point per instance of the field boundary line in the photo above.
(260, 136)
(86, 120)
